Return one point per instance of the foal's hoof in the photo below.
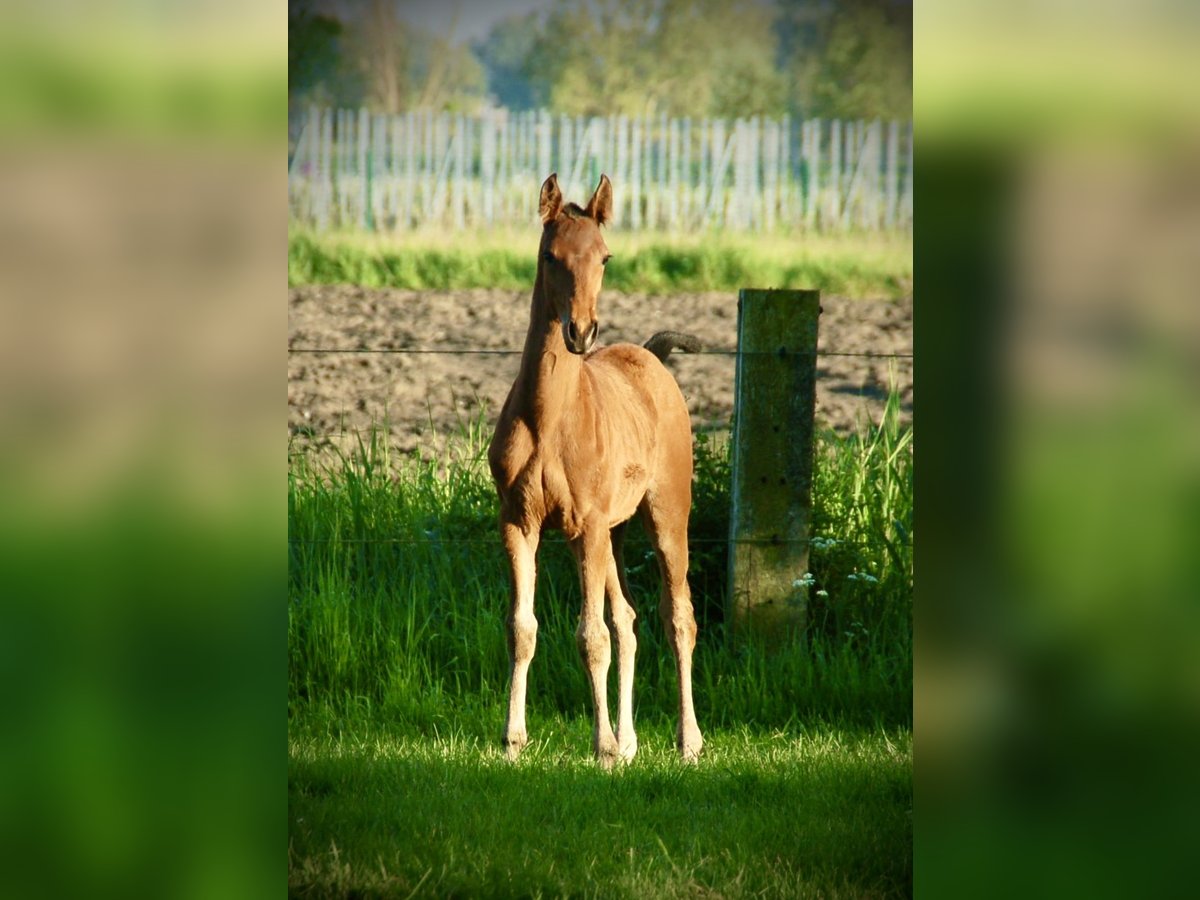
(628, 750)
(690, 747)
(513, 747)
(606, 752)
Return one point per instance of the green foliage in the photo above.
(712, 57)
(850, 60)
(855, 266)
(313, 260)
(398, 588)
(445, 75)
(312, 47)
(721, 58)
(862, 551)
(365, 55)
(505, 55)
(708, 528)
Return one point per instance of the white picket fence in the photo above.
(352, 169)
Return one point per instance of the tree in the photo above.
(445, 76)
(362, 54)
(314, 55)
(381, 42)
(720, 59)
(504, 54)
(323, 58)
(681, 57)
(585, 64)
(847, 60)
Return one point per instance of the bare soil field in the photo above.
(373, 375)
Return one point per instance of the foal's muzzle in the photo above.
(579, 341)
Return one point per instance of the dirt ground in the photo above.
(428, 395)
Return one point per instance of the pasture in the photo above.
(398, 589)
(397, 680)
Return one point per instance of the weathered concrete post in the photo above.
(774, 395)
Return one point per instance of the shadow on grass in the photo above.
(826, 815)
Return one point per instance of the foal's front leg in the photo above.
(522, 631)
(623, 626)
(593, 551)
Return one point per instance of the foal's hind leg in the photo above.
(666, 523)
(623, 625)
(522, 631)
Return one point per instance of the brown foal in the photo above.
(584, 441)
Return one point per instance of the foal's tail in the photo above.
(664, 342)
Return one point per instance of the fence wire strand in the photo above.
(822, 543)
(464, 351)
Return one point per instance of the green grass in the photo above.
(876, 266)
(826, 814)
(397, 683)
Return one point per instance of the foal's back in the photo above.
(639, 433)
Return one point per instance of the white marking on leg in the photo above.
(623, 616)
(522, 634)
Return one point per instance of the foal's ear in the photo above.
(600, 206)
(551, 200)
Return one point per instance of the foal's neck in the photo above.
(549, 375)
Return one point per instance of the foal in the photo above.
(584, 441)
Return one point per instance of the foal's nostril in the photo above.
(579, 341)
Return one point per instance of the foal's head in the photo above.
(571, 260)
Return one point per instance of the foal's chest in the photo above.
(534, 485)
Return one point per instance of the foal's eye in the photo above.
(548, 256)
(604, 262)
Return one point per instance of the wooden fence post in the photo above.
(774, 396)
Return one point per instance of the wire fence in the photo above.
(467, 351)
(559, 539)
(509, 351)
(353, 169)
(433, 540)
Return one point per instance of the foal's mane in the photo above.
(574, 211)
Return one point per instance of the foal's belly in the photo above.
(546, 495)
